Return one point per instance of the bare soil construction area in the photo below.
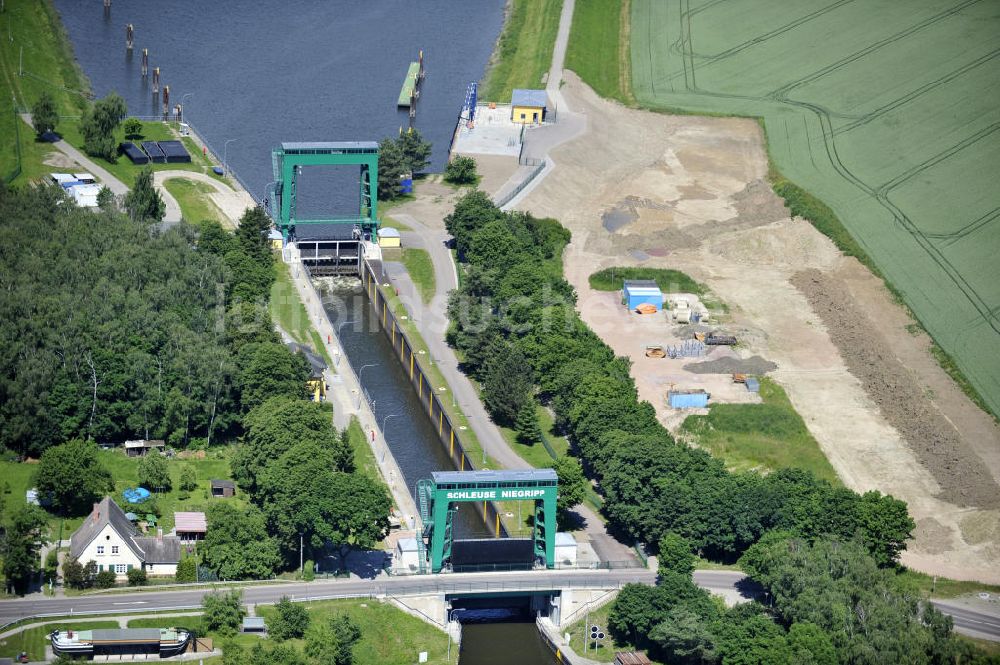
(689, 193)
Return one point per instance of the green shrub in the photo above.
(105, 579)
(187, 570)
(137, 577)
(461, 171)
(308, 571)
(669, 281)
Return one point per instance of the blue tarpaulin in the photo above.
(136, 495)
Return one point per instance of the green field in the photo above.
(885, 111)
(764, 437)
(524, 52)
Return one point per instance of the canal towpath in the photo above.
(346, 394)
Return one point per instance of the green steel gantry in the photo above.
(436, 494)
(286, 161)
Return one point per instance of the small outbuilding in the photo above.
(528, 106)
(223, 489)
(254, 625)
(190, 526)
(316, 385)
(638, 292)
(388, 237)
(140, 447)
(274, 237)
(85, 178)
(85, 195)
(407, 555)
(566, 549)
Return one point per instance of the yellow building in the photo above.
(528, 106)
(274, 237)
(388, 237)
(316, 383)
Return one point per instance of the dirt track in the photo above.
(690, 193)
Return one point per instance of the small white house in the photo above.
(565, 549)
(108, 538)
(407, 555)
(85, 195)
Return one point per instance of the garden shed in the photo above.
(642, 292)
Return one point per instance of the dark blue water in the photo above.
(264, 72)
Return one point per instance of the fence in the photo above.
(509, 196)
(448, 433)
(17, 148)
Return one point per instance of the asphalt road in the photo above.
(967, 620)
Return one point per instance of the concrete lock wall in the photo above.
(414, 363)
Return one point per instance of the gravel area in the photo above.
(730, 365)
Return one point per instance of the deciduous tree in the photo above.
(21, 544)
(461, 171)
(44, 116)
(237, 545)
(153, 472)
(72, 476)
(223, 611)
(290, 620)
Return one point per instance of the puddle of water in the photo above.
(638, 255)
(617, 218)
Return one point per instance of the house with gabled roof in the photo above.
(109, 538)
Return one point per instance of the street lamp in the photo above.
(225, 155)
(363, 369)
(385, 440)
(451, 618)
(183, 107)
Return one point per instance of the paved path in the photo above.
(102, 175)
(539, 141)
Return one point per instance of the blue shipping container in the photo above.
(685, 400)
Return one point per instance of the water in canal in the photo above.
(255, 74)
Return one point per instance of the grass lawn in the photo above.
(579, 631)
(536, 455)
(215, 464)
(524, 52)
(770, 435)
(33, 640)
(942, 587)
(192, 197)
(125, 170)
(364, 458)
(389, 636)
(418, 264)
(598, 47)
(289, 313)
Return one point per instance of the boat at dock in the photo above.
(164, 642)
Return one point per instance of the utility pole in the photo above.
(300, 554)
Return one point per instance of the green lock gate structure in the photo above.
(436, 494)
(286, 162)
